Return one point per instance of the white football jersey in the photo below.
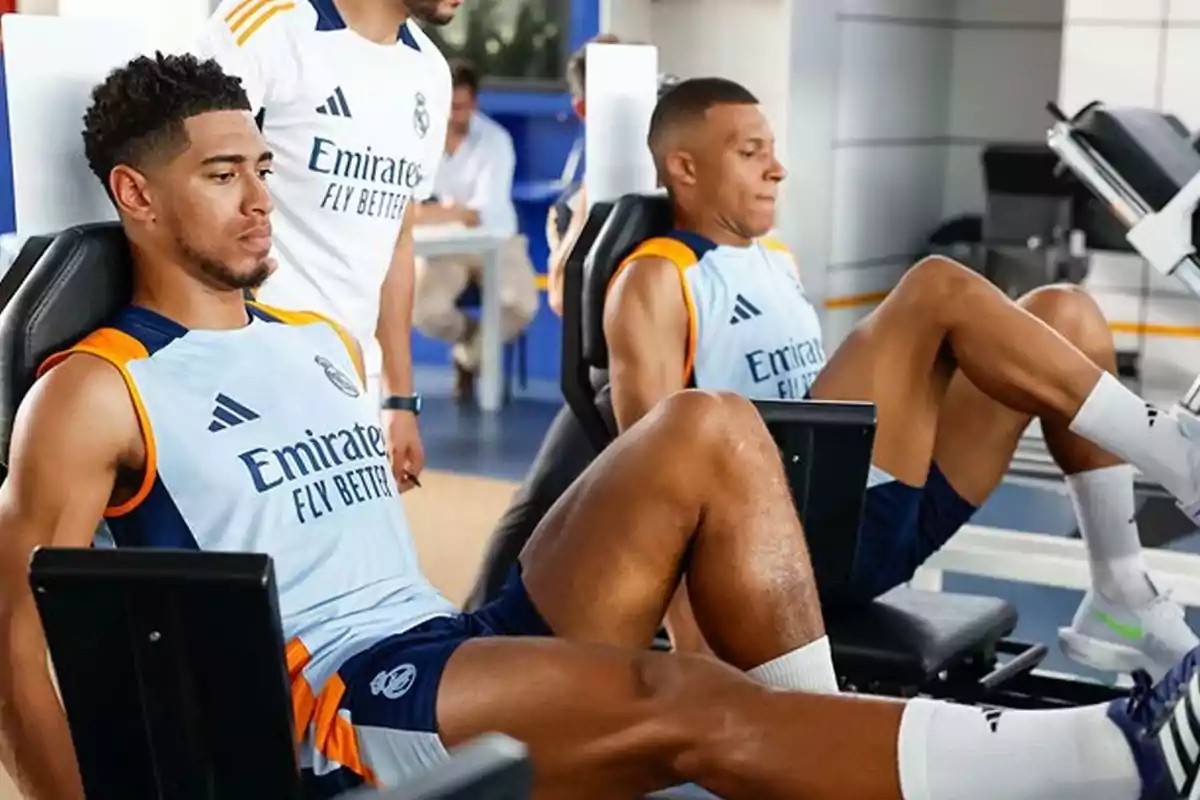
(357, 129)
(751, 327)
(235, 463)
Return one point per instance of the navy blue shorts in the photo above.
(902, 526)
(390, 696)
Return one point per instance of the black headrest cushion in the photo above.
(1150, 150)
(634, 219)
(81, 279)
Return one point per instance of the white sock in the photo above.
(955, 752)
(1138, 432)
(805, 669)
(1104, 505)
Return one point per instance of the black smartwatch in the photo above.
(401, 403)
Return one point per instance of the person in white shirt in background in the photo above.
(473, 189)
(349, 169)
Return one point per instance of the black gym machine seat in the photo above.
(905, 642)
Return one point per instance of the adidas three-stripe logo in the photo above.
(228, 412)
(335, 105)
(743, 310)
(1180, 740)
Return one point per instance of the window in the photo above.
(510, 42)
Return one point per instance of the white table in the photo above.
(432, 241)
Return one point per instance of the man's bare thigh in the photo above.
(588, 542)
(904, 371)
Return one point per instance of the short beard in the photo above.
(426, 11)
(219, 274)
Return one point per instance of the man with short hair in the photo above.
(473, 189)
(350, 168)
(117, 426)
(956, 370)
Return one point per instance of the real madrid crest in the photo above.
(337, 377)
(420, 116)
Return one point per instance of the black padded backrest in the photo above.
(79, 280)
(634, 219)
(1150, 150)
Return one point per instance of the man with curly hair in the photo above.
(353, 98)
(385, 673)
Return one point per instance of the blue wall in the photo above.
(543, 128)
(8, 222)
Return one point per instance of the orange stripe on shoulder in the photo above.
(774, 244)
(684, 258)
(308, 318)
(114, 346)
(664, 247)
(119, 349)
(672, 250)
(247, 17)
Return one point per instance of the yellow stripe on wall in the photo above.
(1156, 329)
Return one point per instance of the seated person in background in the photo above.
(955, 369)
(118, 426)
(473, 188)
(567, 216)
(566, 450)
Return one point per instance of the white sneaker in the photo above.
(1115, 638)
(1189, 426)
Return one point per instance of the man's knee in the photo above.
(937, 284)
(1071, 311)
(715, 428)
(707, 733)
(708, 415)
(436, 319)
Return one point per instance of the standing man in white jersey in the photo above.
(353, 99)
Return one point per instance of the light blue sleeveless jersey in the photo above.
(263, 439)
(752, 329)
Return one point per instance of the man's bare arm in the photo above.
(561, 247)
(73, 433)
(394, 329)
(646, 326)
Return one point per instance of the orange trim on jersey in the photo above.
(256, 13)
(233, 12)
(118, 348)
(333, 734)
(855, 300)
(308, 318)
(684, 259)
(774, 244)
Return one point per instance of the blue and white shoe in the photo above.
(1161, 722)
